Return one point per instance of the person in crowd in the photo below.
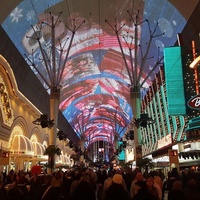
(141, 191)
(172, 177)
(108, 181)
(57, 182)
(57, 179)
(106, 184)
(11, 177)
(3, 192)
(120, 171)
(138, 177)
(116, 190)
(191, 191)
(128, 177)
(46, 191)
(102, 175)
(92, 178)
(176, 193)
(75, 182)
(84, 190)
(157, 179)
(151, 188)
(156, 183)
(183, 178)
(19, 190)
(34, 183)
(67, 182)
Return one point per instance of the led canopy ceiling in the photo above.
(101, 35)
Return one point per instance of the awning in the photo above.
(38, 149)
(21, 145)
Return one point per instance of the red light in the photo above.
(5, 155)
(173, 153)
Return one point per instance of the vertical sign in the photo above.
(173, 159)
(173, 63)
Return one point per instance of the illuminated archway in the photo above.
(19, 143)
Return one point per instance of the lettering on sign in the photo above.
(193, 134)
(194, 102)
(164, 141)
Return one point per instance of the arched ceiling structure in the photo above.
(95, 83)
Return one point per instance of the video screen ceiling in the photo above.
(95, 83)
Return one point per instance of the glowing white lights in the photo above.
(195, 62)
(16, 14)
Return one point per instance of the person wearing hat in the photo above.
(116, 190)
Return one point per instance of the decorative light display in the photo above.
(5, 105)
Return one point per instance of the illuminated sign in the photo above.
(121, 152)
(194, 102)
(174, 62)
(173, 158)
(4, 157)
(162, 164)
(193, 134)
(5, 104)
(164, 141)
(173, 153)
(4, 154)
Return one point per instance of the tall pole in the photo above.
(54, 68)
(135, 72)
(136, 97)
(54, 108)
(136, 108)
(116, 146)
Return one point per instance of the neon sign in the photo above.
(164, 141)
(194, 102)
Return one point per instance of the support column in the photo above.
(82, 141)
(19, 164)
(136, 108)
(116, 148)
(54, 108)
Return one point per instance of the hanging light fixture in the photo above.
(44, 121)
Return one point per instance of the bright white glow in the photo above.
(38, 149)
(161, 159)
(129, 155)
(195, 62)
(20, 143)
(175, 147)
(16, 14)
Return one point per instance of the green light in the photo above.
(173, 65)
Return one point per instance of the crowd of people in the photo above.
(103, 184)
